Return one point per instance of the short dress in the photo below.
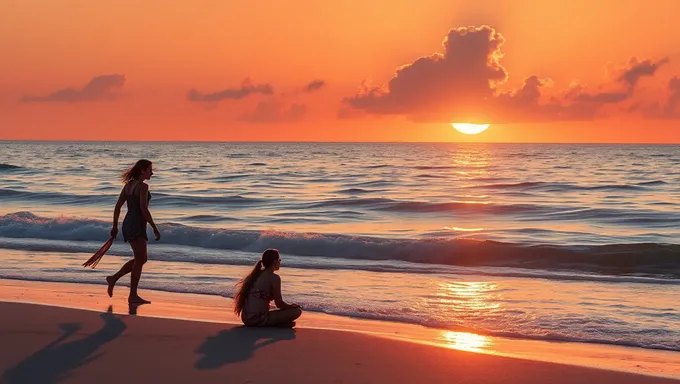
(134, 224)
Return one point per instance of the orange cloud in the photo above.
(464, 84)
(247, 88)
(104, 87)
(313, 86)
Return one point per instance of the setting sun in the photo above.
(470, 129)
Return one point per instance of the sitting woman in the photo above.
(260, 287)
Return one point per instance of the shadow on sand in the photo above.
(54, 362)
(132, 308)
(238, 344)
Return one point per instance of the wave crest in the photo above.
(661, 260)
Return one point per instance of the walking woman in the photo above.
(136, 193)
(260, 287)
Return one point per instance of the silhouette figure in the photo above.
(136, 194)
(238, 344)
(54, 362)
(258, 289)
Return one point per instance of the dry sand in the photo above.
(43, 344)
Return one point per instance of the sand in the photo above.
(46, 343)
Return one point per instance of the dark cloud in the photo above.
(464, 75)
(464, 84)
(275, 111)
(247, 88)
(640, 69)
(314, 86)
(104, 87)
(530, 104)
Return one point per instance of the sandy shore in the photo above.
(44, 343)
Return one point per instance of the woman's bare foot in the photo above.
(137, 300)
(112, 283)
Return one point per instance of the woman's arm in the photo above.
(116, 212)
(144, 206)
(276, 291)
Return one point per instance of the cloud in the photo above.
(669, 108)
(638, 69)
(626, 82)
(464, 83)
(313, 86)
(104, 87)
(275, 111)
(463, 76)
(247, 88)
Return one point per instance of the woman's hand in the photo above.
(114, 232)
(156, 233)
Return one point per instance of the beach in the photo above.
(533, 253)
(74, 333)
(429, 191)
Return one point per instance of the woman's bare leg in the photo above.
(113, 279)
(139, 250)
(279, 317)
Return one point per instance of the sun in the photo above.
(470, 129)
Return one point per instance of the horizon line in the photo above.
(328, 142)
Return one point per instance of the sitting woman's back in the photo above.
(258, 289)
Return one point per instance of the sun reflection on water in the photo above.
(465, 341)
(460, 229)
(468, 295)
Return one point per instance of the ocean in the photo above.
(533, 241)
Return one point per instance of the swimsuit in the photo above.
(134, 224)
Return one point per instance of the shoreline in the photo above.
(50, 344)
(217, 310)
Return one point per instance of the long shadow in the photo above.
(55, 361)
(238, 344)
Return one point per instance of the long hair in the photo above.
(133, 172)
(269, 257)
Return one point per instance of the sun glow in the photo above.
(470, 129)
(466, 341)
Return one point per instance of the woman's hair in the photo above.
(133, 172)
(269, 257)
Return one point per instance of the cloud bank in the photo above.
(246, 89)
(465, 83)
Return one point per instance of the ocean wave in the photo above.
(356, 191)
(204, 256)
(228, 178)
(164, 199)
(434, 167)
(566, 187)
(392, 205)
(168, 199)
(10, 167)
(650, 259)
(378, 166)
(654, 182)
(56, 197)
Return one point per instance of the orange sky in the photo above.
(160, 50)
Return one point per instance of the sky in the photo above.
(383, 70)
